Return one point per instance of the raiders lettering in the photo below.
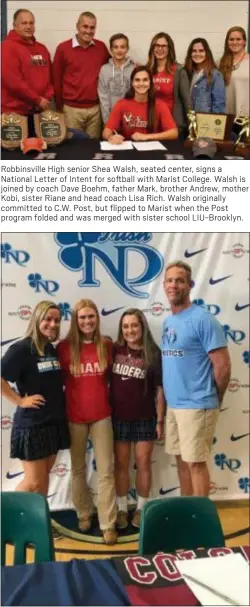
(129, 371)
(129, 367)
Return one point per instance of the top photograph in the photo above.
(123, 80)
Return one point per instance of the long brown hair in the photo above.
(171, 56)
(75, 338)
(149, 347)
(151, 95)
(226, 62)
(209, 62)
(33, 330)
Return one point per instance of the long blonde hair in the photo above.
(33, 330)
(75, 338)
(226, 62)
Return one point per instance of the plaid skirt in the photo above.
(39, 441)
(135, 431)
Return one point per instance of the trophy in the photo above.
(244, 123)
(192, 124)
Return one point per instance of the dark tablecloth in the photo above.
(131, 580)
(87, 149)
(76, 582)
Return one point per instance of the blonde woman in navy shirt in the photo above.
(39, 427)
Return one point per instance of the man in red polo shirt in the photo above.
(76, 67)
(26, 69)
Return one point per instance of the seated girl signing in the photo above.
(139, 116)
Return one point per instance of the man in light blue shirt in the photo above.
(196, 373)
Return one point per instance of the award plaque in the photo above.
(14, 128)
(214, 126)
(218, 128)
(51, 127)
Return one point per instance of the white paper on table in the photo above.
(145, 146)
(108, 147)
(227, 574)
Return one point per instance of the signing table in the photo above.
(131, 580)
(89, 149)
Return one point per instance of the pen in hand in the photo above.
(119, 138)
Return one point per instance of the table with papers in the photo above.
(130, 580)
(140, 146)
(90, 149)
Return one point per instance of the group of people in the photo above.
(116, 394)
(95, 87)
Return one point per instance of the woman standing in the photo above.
(169, 77)
(206, 83)
(39, 427)
(234, 66)
(85, 357)
(137, 407)
(139, 116)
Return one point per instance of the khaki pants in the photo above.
(101, 434)
(189, 433)
(86, 119)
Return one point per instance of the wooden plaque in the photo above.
(215, 126)
(14, 128)
(51, 127)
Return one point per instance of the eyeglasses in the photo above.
(161, 46)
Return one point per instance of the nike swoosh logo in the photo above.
(213, 281)
(239, 308)
(192, 253)
(10, 475)
(8, 341)
(107, 312)
(164, 491)
(225, 409)
(125, 378)
(233, 438)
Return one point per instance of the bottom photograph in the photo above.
(125, 418)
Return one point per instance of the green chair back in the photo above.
(26, 520)
(179, 523)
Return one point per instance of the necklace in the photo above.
(236, 65)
